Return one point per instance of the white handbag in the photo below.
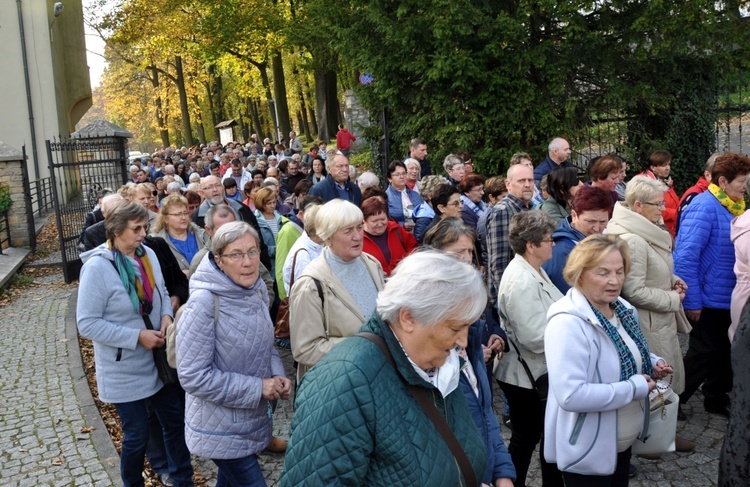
(660, 422)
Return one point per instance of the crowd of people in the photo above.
(401, 303)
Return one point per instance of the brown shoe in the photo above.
(649, 456)
(277, 445)
(681, 444)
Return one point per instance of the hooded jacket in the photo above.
(201, 238)
(585, 390)
(741, 239)
(222, 366)
(649, 286)
(566, 237)
(125, 369)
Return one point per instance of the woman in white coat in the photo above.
(651, 285)
(600, 368)
(524, 296)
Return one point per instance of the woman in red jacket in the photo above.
(385, 239)
(659, 166)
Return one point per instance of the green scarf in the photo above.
(736, 208)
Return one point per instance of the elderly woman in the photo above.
(385, 239)
(562, 186)
(659, 167)
(741, 292)
(300, 190)
(122, 289)
(704, 258)
(524, 296)
(413, 169)
(446, 201)
(472, 191)
(424, 213)
(455, 169)
(604, 172)
(226, 358)
(600, 368)
(184, 237)
(336, 294)
(651, 285)
(386, 438)
(401, 199)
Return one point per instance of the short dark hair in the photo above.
(303, 186)
(601, 166)
(229, 183)
(392, 168)
(559, 182)
(441, 195)
(373, 206)
(730, 165)
(659, 158)
(373, 191)
(469, 182)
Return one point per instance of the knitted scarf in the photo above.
(627, 361)
(141, 291)
(736, 208)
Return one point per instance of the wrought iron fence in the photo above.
(40, 191)
(4, 230)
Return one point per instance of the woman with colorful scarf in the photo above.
(704, 257)
(600, 368)
(121, 289)
(659, 167)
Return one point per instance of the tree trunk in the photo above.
(199, 120)
(305, 124)
(310, 109)
(257, 125)
(163, 130)
(184, 110)
(279, 91)
(332, 101)
(321, 108)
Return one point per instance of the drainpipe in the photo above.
(28, 90)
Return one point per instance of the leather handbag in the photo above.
(660, 421)
(541, 383)
(167, 374)
(281, 330)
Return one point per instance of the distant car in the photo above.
(135, 155)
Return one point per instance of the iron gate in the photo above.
(79, 169)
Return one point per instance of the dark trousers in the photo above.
(707, 360)
(527, 423)
(168, 409)
(620, 478)
(240, 472)
(156, 452)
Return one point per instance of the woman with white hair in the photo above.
(356, 417)
(226, 358)
(413, 169)
(336, 293)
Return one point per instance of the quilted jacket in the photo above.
(356, 424)
(704, 254)
(222, 366)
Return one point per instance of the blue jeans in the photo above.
(239, 472)
(167, 406)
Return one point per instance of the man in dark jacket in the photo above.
(418, 151)
(337, 184)
(557, 156)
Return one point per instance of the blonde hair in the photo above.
(335, 215)
(642, 188)
(167, 204)
(590, 252)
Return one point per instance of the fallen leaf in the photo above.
(23, 450)
(58, 462)
(87, 429)
(64, 340)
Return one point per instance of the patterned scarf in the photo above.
(736, 208)
(141, 291)
(627, 361)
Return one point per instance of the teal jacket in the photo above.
(355, 423)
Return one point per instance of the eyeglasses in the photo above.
(238, 256)
(547, 240)
(456, 203)
(183, 214)
(398, 174)
(140, 228)
(662, 205)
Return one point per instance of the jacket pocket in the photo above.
(119, 355)
(577, 428)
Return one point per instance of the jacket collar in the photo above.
(624, 220)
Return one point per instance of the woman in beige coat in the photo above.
(336, 293)
(651, 285)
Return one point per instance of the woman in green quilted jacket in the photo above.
(356, 422)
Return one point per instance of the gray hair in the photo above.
(643, 188)
(121, 213)
(173, 186)
(447, 232)
(168, 168)
(221, 211)
(270, 181)
(433, 287)
(108, 201)
(134, 168)
(194, 177)
(529, 227)
(368, 179)
(555, 144)
(230, 232)
(429, 184)
(413, 162)
(335, 215)
(452, 160)
(352, 171)
(710, 162)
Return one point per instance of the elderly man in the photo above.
(213, 191)
(238, 173)
(293, 174)
(418, 151)
(367, 179)
(95, 235)
(169, 171)
(557, 156)
(337, 184)
(294, 143)
(455, 169)
(520, 183)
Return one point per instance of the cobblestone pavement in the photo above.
(46, 410)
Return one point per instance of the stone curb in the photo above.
(100, 436)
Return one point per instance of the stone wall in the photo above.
(356, 118)
(11, 173)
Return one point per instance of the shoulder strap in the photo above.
(400, 237)
(437, 419)
(525, 366)
(294, 266)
